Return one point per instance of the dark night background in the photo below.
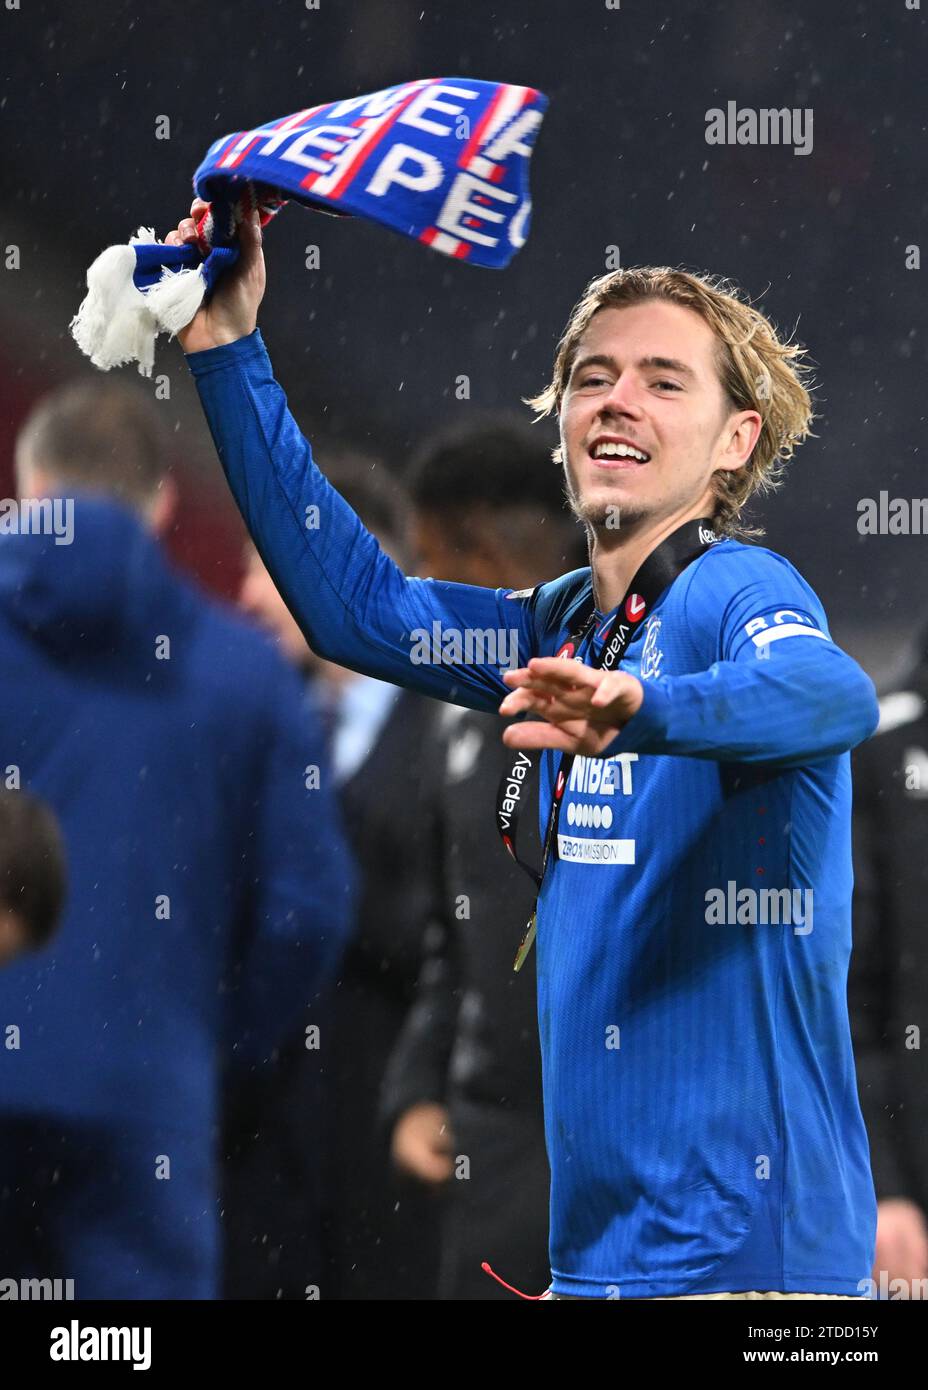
(369, 345)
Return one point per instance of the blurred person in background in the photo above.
(888, 980)
(210, 884)
(33, 876)
(464, 1080)
(381, 1229)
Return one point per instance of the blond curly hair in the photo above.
(757, 369)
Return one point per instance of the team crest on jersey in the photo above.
(651, 655)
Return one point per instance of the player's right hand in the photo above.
(422, 1143)
(901, 1241)
(232, 312)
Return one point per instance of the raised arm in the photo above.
(353, 603)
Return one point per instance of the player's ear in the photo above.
(739, 436)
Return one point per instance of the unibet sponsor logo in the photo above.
(597, 776)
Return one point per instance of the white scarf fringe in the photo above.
(118, 323)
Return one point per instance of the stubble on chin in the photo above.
(602, 513)
(605, 514)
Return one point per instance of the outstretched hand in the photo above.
(232, 311)
(580, 709)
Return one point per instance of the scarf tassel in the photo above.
(117, 321)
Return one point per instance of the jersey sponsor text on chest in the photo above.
(602, 776)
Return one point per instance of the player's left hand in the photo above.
(579, 709)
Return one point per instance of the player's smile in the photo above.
(615, 451)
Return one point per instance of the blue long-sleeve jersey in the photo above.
(702, 1119)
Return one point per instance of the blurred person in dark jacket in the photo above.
(33, 877)
(888, 980)
(381, 1230)
(210, 883)
(463, 1090)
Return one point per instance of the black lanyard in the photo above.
(651, 581)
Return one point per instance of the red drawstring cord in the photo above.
(532, 1297)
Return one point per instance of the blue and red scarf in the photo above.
(441, 160)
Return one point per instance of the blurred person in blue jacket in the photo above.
(33, 876)
(210, 883)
